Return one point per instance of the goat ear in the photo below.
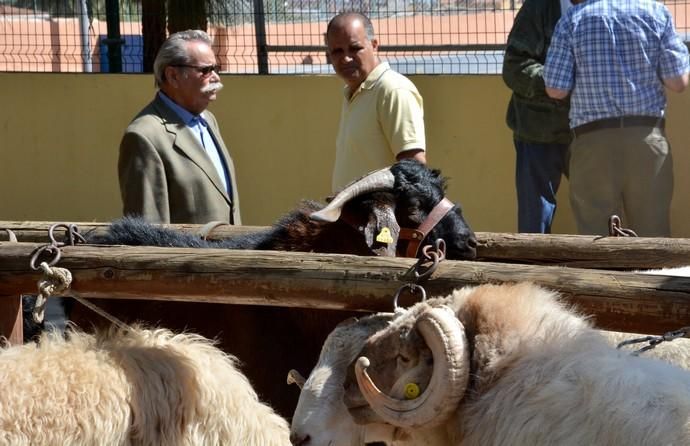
(382, 231)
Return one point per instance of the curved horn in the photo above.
(378, 180)
(295, 377)
(445, 336)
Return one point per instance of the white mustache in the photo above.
(212, 87)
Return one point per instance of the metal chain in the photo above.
(653, 341)
(72, 237)
(615, 229)
(54, 280)
(57, 280)
(425, 266)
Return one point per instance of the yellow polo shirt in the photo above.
(382, 118)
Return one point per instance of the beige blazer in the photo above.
(165, 175)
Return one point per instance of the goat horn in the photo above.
(295, 377)
(378, 180)
(445, 336)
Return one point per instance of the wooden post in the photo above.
(11, 326)
(581, 251)
(622, 301)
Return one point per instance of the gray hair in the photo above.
(343, 17)
(174, 51)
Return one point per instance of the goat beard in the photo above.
(213, 87)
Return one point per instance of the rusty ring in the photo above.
(41, 250)
(440, 250)
(413, 288)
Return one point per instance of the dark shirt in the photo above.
(532, 114)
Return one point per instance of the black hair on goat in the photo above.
(418, 189)
(409, 200)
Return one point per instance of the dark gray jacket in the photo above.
(532, 115)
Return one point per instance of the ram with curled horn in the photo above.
(405, 202)
(444, 336)
(504, 364)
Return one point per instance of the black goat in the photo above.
(400, 197)
(271, 340)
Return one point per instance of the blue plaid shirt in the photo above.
(612, 55)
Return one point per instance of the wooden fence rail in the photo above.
(624, 301)
(540, 249)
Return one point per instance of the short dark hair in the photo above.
(344, 16)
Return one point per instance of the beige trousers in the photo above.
(622, 171)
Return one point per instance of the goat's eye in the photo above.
(403, 359)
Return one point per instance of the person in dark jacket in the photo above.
(541, 131)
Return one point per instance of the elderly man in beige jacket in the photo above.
(174, 166)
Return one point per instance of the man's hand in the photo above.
(555, 93)
(417, 154)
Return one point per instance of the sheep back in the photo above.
(545, 376)
(130, 387)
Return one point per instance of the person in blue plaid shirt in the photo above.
(614, 59)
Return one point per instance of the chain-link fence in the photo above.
(257, 36)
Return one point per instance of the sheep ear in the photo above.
(382, 231)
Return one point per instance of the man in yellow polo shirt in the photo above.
(382, 118)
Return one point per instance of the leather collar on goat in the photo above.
(414, 237)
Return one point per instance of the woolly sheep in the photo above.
(538, 374)
(320, 402)
(130, 387)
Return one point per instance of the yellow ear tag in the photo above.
(384, 236)
(411, 391)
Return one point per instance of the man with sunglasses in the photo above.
(173, 165)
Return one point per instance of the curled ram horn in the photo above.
(295, 377)
(378, 180)
(445, 336)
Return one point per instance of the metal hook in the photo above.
(615, 229)
(653, 341)
(72, 237)
(435, 253)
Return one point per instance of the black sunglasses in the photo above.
(205, 70)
